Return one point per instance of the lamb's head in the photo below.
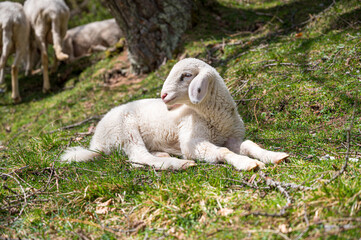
(188, 82)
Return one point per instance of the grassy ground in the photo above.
(293, 68)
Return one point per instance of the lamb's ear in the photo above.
(199, 87)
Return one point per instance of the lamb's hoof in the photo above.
(62, 56)
(279, 157)
(134, 165)
(188, 164)
(248, 164)
(255, 165)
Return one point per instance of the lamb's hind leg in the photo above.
(160, 154)
(57, 40)
(14, 77)
(138, 154)
(252, 150)
(156, 154)
(5, 51)
(40, 36)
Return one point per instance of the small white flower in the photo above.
(354, 159)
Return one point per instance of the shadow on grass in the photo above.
(271, 25)
(220, 21)
(217, 22)
(31, 86)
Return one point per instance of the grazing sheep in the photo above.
(95, 36)
(197, 119)
(49, 22)
(14, 35)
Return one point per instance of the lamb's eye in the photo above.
(185, 75)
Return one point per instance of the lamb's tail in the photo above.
(78, 154)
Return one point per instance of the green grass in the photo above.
(294, 69)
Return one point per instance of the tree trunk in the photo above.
(152, 29)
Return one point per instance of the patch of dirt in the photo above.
(121, 74)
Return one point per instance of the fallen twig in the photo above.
(281, 185)
(294, 186)
(284, 64)
(23, 191)
(269, 231)
(272, 183)
(223, 44)
(246, 100)
(307, 223)
(348, 131)
(245, 183)
(319, 14)
(266, 214)
(19, 169)
(96, 117)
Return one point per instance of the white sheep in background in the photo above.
(14, 37)
(49, 22)
(95, 36)
(197, 119)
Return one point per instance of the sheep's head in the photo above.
(187, 83)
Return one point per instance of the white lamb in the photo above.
(95, 36)
(197, 119)
(49, 22)
(14, 37)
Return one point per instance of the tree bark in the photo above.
(152, 29)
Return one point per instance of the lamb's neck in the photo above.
(218, 106)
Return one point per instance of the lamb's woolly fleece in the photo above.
(48, 20)
(95, 36)
(203, 124)
(14, 37)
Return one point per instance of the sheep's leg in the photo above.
(156, 154)
(57, 40)
(204, 150)
(31, 51)
(139, 155)
(41, 39)
(14, 78)
(6, 48)
(1, 75)
(1, 68)
(28, 65)
(252, 150)
(137, 152)
(44, 61)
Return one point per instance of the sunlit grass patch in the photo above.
(293, 68)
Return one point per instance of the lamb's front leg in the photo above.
(252, 150)
(206, 151)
